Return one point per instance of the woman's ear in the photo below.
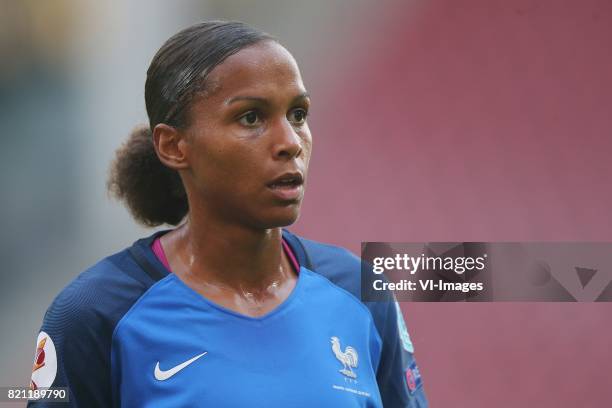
(171, 146)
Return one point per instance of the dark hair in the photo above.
(153, 192)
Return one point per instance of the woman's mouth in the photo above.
(287, 187)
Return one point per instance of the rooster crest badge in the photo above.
(348, 357)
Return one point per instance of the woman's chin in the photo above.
(281, 217)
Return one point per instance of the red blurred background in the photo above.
(478, 120)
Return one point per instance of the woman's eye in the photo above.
(249, 119)
(298, 116)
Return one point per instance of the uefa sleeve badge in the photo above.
(45, 363)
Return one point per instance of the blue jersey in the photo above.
(127, 332)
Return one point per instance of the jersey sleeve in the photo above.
(398, 376)
(71, 350)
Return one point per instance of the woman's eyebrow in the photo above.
(303, 95)
(246, 98)
(261, 100)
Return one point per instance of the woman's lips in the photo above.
(288, 187)
(287, 192)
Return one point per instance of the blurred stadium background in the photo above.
(432, 120)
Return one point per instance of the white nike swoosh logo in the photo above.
(162, 375)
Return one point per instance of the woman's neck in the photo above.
(228, 256)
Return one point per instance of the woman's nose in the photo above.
(287, 142)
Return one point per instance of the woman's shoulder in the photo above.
(77, 329)
(339, 265)
(343, 269)
(99, 296)
(335, 263)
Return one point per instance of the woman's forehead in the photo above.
(264, 66)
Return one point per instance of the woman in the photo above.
(227, 309)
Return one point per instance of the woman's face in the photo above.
(248, 144)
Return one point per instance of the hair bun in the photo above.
(153, 193)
